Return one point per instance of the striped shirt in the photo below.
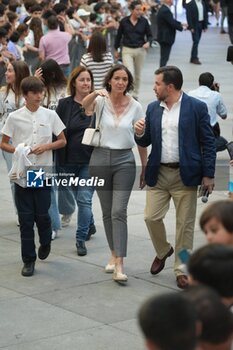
(98, 69)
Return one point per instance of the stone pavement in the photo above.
(70, 303)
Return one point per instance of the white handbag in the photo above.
(91, 136)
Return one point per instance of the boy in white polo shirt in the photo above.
(34, 126)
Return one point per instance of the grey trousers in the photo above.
(118, 169)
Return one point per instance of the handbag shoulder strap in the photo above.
(99, 112)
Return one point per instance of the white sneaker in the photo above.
(54, 234)
(154, 43)
(65, 220)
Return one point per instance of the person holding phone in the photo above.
(182, 157)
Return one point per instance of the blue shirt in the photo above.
(12, 48)
(213, 100)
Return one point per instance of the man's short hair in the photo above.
(206, 79)
(31, 84)
(48, 13)
(212, 265)
(215, 317)
(3, 33)
(2, 9)
(169, 322)
(134, 4)
(36, 8)
(60, 7)
(15, 36)
(29, 3)
(171, 75)
(52, 22)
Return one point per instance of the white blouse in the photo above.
(117, 132)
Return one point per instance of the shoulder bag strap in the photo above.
(100, 113)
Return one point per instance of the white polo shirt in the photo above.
(34, 128)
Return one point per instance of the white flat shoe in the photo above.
(119, 277)
(109, 268)
(54, 234)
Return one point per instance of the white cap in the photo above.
(82, 12)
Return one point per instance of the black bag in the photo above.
(220, 141)
(230, 53)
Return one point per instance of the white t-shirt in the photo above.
(33, 128)
(117, 132)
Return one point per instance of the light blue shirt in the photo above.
(13, 49)
(213, 100)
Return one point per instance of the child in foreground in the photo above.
(216, 222)
(31, 128)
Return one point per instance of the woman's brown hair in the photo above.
(110, 74)
(97, 46)
(36, 26)
(21, 71)
(73, 76)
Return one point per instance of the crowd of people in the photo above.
(29, 31)
(66, 66)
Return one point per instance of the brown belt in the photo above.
(171, 165)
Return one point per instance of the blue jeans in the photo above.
(196, 36)
(33, 205)
(66, 201)
(83, 196)
(53, 211)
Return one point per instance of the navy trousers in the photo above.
(32, 206)
(196, 36)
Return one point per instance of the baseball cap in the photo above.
(82, 13)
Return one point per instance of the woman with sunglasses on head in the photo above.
(75, 157)
(114, 160)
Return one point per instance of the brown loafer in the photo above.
(195, 61)
(182, 281)
(158, 264)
